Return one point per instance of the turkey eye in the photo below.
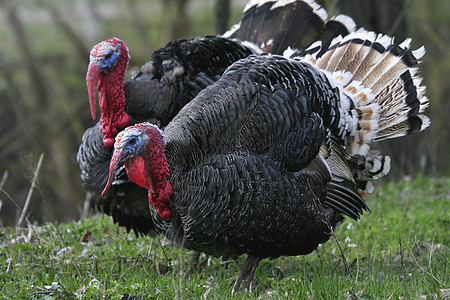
(132, 141)
(108, 56)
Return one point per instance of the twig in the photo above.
(400, 18)
(4, 178)
(343, 259)
(2, 184)
(9, 268)
(105, 286)
(30, 192)
(357, 267)
(164, 252)
(86, 206)
(150, 251)
(422, 268)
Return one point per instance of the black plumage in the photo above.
(176, 73)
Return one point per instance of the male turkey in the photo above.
(174, 75)
(269, 158)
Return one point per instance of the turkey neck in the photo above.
(112, 100)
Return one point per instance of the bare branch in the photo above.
(30, 192)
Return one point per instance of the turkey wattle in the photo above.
(262, 161)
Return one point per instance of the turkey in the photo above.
(174, 75)
(268, 159)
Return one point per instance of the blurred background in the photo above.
(44, 105)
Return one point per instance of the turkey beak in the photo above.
(116, 160)
(92, 75)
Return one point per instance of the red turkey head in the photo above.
(142, 149)
(106, 72)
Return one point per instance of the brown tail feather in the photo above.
(381, 97)
(381, 80)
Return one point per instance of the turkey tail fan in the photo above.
(276, 25)
(380, 79)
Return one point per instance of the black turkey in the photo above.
(269, 158)
(174, 75)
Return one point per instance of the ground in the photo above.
(398, 251)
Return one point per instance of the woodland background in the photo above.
(44, 107)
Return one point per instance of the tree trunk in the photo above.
(178, 24)
(222, 10)
(381, 16)
(37, 81)
(48, 128)
(72, 35)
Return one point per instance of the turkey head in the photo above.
(142, 149)
(106, 72)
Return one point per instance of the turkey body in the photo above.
(242, 188)
(238, 157)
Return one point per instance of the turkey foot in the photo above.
(247, 270)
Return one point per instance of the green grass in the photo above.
(399, 251)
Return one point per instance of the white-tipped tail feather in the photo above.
(346, 21)
(381, 80)
(317, 9)
(381, 97)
